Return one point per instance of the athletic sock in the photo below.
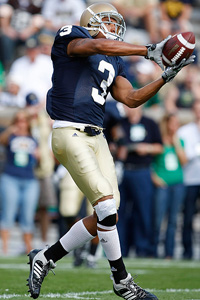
(118, 269)
(55, 252)
(111, 246)
(77, 236)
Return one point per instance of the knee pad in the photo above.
(106, 214)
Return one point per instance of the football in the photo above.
(178, 47)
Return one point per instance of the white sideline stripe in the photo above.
(85, 295)
(103, 267)
(65, 267)
(185, 42)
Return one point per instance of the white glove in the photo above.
(171, 72)
(154, 52)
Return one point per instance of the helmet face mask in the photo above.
(97, 16)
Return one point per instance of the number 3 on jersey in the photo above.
(103, 65)
(67, 29)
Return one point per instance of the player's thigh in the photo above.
(89, 208)
(78, 153)
(71, 197)
(107, 167)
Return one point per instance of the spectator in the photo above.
(181, 95)
(19, 20)
(46, 39)
(143, 141)
(7, 36)
(140, 14)
(114, 112)
(169, 191)
(19, 187)
(190, 133)
(34, 71)
(58, 13)
(10, 96)
(175, 16)
(145, 72)
(41, 131)
(2, 77)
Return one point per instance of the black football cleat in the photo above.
(39, 268)
(129, 290)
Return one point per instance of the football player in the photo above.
(87, 66)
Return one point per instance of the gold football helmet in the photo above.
(92, 16)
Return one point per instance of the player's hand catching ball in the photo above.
(154, 52)
(171, 72)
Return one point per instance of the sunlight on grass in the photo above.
(169, 280)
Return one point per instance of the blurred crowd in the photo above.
(156, 147)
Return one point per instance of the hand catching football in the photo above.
(171, 72)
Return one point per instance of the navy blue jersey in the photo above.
(80, 84)
(20, 160)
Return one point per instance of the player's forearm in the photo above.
(138, 97)
(87, 47)
(117, 48)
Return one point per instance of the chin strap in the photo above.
(108, 35)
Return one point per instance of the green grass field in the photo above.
(167, 279)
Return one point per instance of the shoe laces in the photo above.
(135, 288)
